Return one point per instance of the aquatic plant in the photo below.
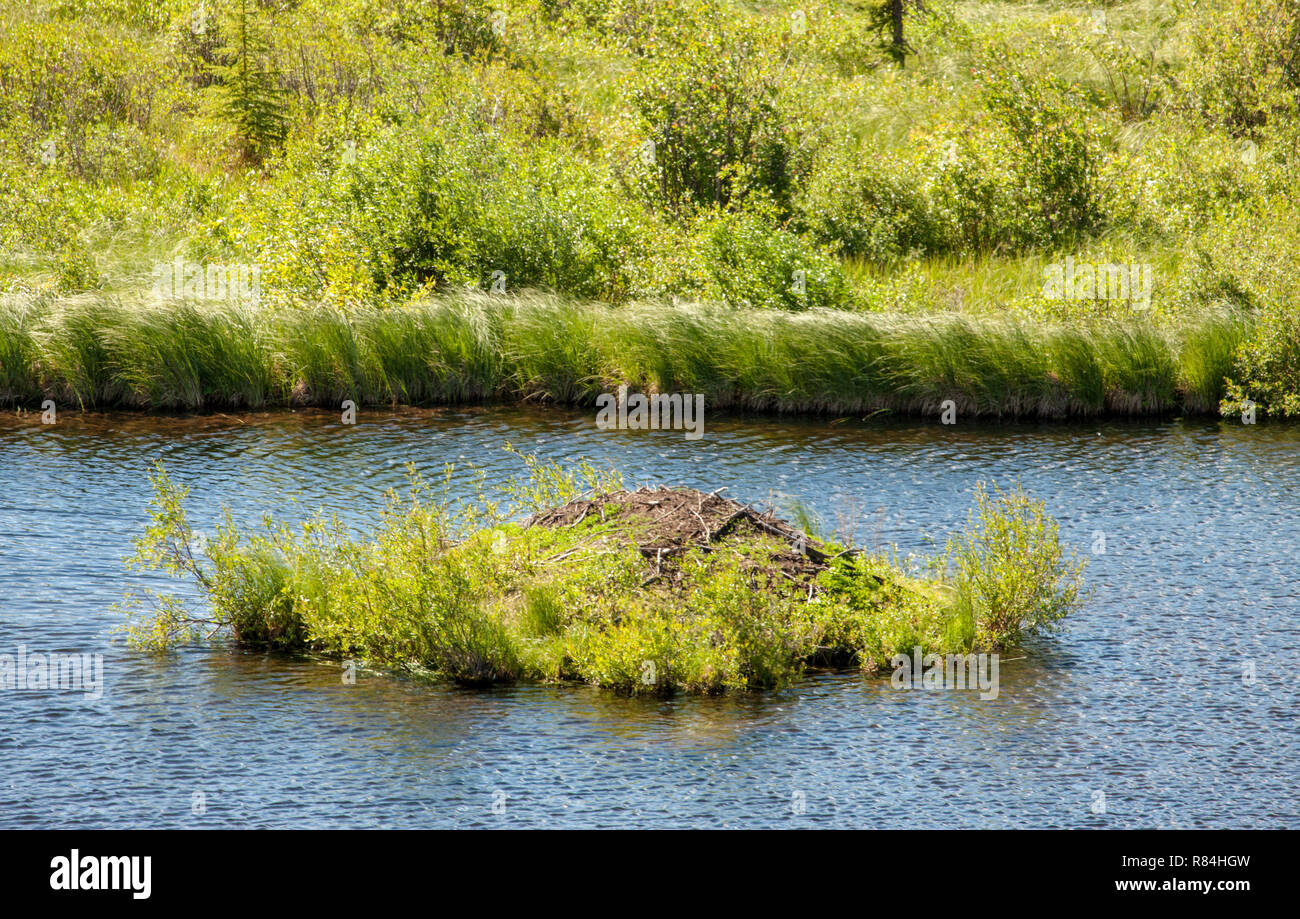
(1011, 573)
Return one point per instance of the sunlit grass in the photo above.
(94, 351)
(461, 590)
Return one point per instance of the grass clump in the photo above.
(566, 576)
(100, 353)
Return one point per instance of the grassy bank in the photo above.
(94, 353)
(567, 576)
(784, 156)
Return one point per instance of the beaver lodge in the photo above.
(666, 523)
(651, 590)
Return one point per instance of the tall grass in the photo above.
(98, 353)
(19, 370)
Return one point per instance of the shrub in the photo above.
(751, 261)
(75, 268)
(1249, 264)
(871, 608)
(868, 205)
(1012, 576)
(1173, 179)
(979, 196)
(1243, 71)
(463, 27)
(1056, 145)
(448, 205)
(712, 109)
(1266, 366)
(644, 27)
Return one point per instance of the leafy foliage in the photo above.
(1011, 573)
(627, 150)
(712, 111)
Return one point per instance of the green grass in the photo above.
(92, 352)
(907, 192)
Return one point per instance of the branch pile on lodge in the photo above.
(667, 522)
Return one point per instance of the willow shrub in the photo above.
(1013, 576)
(1250, 266)
(872, 205)
(752, 261)
(427, 205)
(713, 106)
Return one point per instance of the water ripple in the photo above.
(1144, 698)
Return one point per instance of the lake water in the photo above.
(1172, 693)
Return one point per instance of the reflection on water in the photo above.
(1142, 697)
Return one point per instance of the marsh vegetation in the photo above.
(793, 171)
(564, 575)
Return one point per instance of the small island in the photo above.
(569, 576)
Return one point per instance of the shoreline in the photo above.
(477, 349)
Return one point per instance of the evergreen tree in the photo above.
(887, 18)
(247, 93)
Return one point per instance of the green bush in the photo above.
(1174, 179)
(1243, 71)
(868, 205)
(1250, 264)
(642, 27)
(1012, 576)
(977, 193)
(752, 262)
(869, 608)
(442, 206)
(1054, 146)
(463, 27)
(1266, 366)
(75, 268)
(712, 108)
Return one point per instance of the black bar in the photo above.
(856, 870)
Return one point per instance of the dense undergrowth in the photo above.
(764, 156)
(565, 576)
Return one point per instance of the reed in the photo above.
(97, 352)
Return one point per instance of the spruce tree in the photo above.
(247, 93)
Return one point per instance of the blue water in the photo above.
(1145, 698)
